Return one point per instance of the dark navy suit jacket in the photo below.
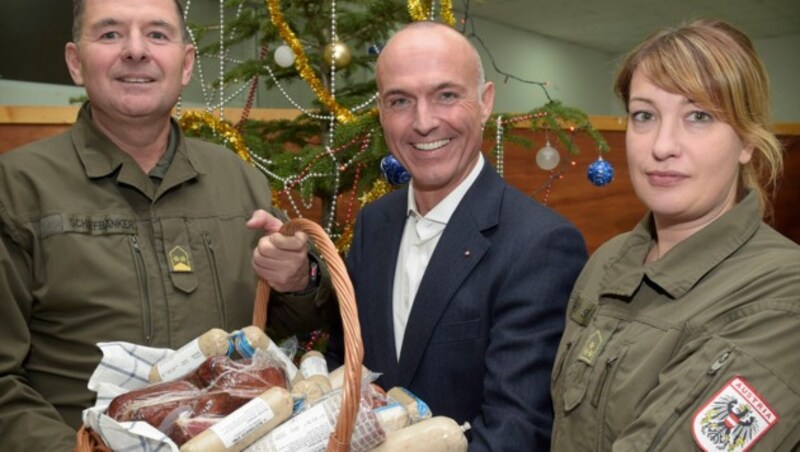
(486, 321)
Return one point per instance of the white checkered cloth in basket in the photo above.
(125, 367)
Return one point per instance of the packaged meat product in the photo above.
(251, 338)
(314, 382)
(154, 403)
(214, 342)
(435, 434)
(311, 428)
(221, 372)
(186, 427)
(416, 408)
(245, 425)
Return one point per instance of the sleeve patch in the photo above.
(733, 419)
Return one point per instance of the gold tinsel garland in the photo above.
(421, 10)
(194, 121)
(342, 114)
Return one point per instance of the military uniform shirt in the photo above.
(698, 350)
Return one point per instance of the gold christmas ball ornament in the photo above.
(336, 53)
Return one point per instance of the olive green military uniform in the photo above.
(92, 249)
(700, 348)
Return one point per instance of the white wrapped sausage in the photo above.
(315, 382)
(252, 338)
(436, 434)
(214, 342)
(245, 425)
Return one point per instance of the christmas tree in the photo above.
(333, 150)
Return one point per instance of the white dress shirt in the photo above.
(420, 237)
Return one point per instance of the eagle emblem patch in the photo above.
(733, 419)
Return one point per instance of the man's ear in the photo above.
(487, 101)
(379, 103)
(73, 63)
(189, 56)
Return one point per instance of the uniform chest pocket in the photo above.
(585, 358)
(178, 252)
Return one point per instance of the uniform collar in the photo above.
(689, 261)
(102, 158)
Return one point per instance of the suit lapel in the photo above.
(460, 249)
(381, 257)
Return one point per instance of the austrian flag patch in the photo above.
(733, 419)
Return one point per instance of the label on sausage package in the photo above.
(234, 427)
(307, 432)
(311, 429)
(183, 361)
(313, 365)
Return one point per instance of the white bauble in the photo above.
(547, 157)
(284, 57)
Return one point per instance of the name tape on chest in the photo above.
(733, 419)
(87, 224)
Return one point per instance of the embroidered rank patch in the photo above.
(592, 347)
(179, 260)
(733, 419)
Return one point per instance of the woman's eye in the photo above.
(700, 116)
(641, 116)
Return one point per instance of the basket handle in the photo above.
(87, 440)
(353, 347)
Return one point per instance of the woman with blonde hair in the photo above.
(684, 333)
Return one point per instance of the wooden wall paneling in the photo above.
(600, 213)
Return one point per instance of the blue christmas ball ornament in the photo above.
(393, 171)
(374, 48)
(600, 172)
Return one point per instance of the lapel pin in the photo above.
(466, 253)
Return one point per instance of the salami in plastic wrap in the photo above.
(217, 388)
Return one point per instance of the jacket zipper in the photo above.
(600, 395)
(212, 259)
(601, 383)
(141, 276)
(683, 404)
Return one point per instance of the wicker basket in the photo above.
(89, 441)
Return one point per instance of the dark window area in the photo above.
(32, 38)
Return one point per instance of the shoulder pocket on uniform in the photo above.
(725, 400)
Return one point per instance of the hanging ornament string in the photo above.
(289, 184)
(422, 10)
(248, 105)
(222, 59)
(499, 146)
(303, 67)
(379, 188)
